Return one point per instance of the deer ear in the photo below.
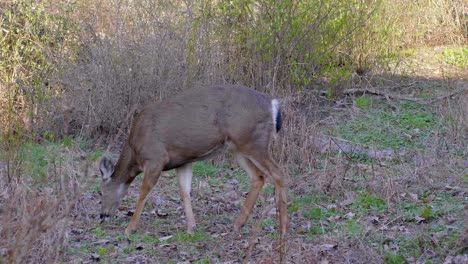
(107, 168)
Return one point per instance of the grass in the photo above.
(364, 102)
(391, 257)
(455, 56)
(383, 128)
(199, 235)
(369, 204)
(203, 169)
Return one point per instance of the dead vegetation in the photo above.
(361, 190)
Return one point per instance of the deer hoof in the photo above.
(192, 230)
(238, 227)
(130, 231)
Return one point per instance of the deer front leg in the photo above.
(185, 174)
(150, 179)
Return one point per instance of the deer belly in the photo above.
(179, 158)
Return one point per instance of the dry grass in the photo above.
(35, 214)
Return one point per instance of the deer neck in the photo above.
(125, 169)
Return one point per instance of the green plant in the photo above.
(456, 56)
(383, 129)
(204, 169)
(202, 261)
(97, 231)
(199, 235)
(300, 203)
(39, 158)
(31, 41)
(391, 257)
(368, 203)
(364, 102)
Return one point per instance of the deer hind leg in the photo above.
(151, 176)
(185, 174)
(269, 167)
(256, 183)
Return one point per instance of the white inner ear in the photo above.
(107, 168)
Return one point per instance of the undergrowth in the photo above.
(381, 127)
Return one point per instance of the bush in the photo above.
(32, 41)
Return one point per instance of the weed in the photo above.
(364, 102)
(269, 189)
(455, 56)
(94, 155)
(95, 188)
(299, 203)
(204, 169)
(267, 223)
(98, 232)
(202, 261)
(353, 227)
(391, 257)
(200, 235)
(368, 203)
(383, 129)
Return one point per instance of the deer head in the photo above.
(112, 190)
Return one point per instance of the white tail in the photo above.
(193, 126)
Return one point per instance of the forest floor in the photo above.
(409, 205)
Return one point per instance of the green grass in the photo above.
(204, 169)
(94, 155)
(37, 158)
(455, 56)
(98, 232)
(384, 129)
(442, 204)
(183, 236)
(40, 158)
(364, 102)
(368, 204)
(391, 257)
(202, 261)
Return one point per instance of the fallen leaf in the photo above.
(327, 247)
(101, 242)
(234, 181)
(414, 196)
(349, 215)
(324, 261)
(161, 213)
(419, 219)
(165, 238)
(95, 257)
(139, 246)
(158, 201)
(347, 202)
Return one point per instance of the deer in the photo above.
(192, 126)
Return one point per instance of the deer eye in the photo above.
(100, 193)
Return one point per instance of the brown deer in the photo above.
(192, 126)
